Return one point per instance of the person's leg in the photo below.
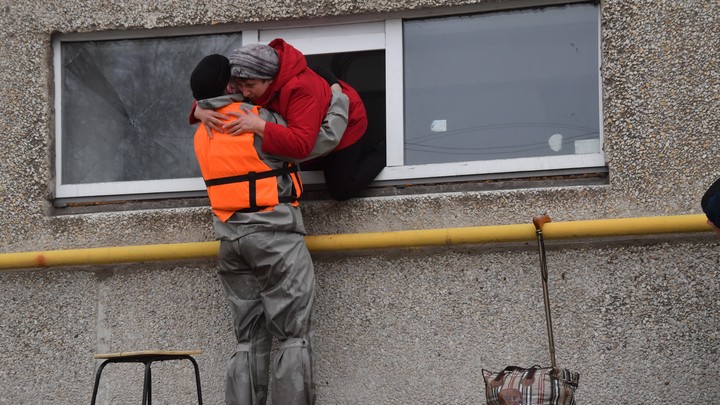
(246, 380)
(350, 170)
(285, 273)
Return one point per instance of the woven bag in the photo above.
(531, 386)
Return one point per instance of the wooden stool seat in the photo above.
(147, 357)
(142, 353)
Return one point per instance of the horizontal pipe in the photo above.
(511, 233)
(372, 240)
(107, 255)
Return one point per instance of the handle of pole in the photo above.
(540, 221)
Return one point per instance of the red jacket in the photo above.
(302, 97)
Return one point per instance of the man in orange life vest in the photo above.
(264, 265)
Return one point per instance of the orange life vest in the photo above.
(237, 178)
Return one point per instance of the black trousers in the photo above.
(350, 170)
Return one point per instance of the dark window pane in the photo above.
(125, 107)
(502, 85)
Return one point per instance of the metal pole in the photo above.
(539, 222)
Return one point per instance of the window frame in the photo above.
(106, 191)
(382, 32)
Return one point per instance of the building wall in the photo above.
(636, 317)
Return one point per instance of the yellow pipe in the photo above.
(428, 237)
(511, 233)
(372, 240)
(120, 254)
(626, 227)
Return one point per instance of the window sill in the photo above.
(317, 192)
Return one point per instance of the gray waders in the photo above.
(269, 280)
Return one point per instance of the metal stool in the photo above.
(147, 357)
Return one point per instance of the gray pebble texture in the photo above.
(637, 318)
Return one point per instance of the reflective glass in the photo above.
(502, 85)
(125, 107)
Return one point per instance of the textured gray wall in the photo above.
(403, 327)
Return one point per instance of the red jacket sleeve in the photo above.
(192, 118)
(304, 117)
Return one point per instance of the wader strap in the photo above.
(295, 180)
(287, 199)
(292, 342)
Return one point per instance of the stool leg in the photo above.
(97, 381)
(197, 379)
(147, 385)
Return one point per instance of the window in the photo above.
(509, 91)
(508, 85)
(123, 114)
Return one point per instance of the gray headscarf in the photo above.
(254, 61)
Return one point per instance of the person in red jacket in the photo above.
(277, 77)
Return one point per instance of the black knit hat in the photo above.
(210, 77)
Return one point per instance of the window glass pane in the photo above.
(125, 107)
(502, 85)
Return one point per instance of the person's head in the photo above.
(253, 68)
(211, 78)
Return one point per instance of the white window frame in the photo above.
(104, 190)
(385, 34)
(388, 35)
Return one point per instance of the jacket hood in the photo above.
(221, 101)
